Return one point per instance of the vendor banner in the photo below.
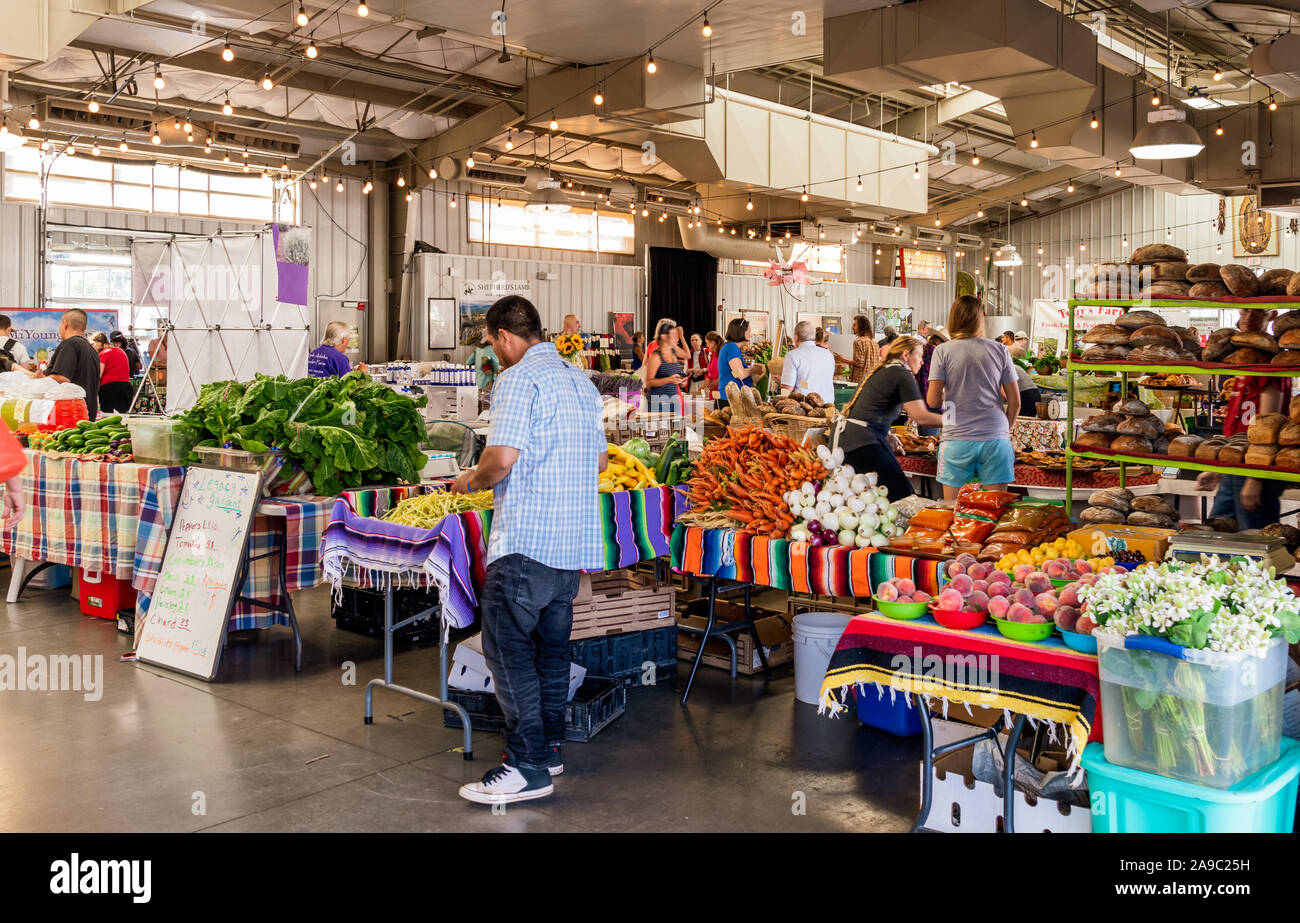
(38, 328)
(292, 262)
(1052, 320)
(477, 295)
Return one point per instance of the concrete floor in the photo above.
(261, 749)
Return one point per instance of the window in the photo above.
(494, 221)
(162, 189)
(926, 265)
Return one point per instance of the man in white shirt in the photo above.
(809, 369)
(14, 348)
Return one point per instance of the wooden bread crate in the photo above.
(619, 601)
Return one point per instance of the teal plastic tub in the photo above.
(1131, 801)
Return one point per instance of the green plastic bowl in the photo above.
(1024, 631)
(901, 611)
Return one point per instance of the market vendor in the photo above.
(545, 451)
(864, 433)
(572, 326)
(1029, 393)
(1253, 502)
(330, 357)
(75, 360)
(809, 369)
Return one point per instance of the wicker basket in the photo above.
(791, 426)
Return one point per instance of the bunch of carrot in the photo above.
(745, 474)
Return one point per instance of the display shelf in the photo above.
(1125, 369)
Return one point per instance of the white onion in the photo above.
(841, 484)
(824, 495)
(808, 514)
(872, 478)
(822, 508)
(857, 504)
(891, 515)
(848, 520)
(808, 489)
(870, 520)
(795, 510)
(799, 533)
(879, 540)
(823, 453)
(858, 484)
(836, 501)
(847, 471)
(863, 541)
(830, 523)
(838, 457)
(848, 537)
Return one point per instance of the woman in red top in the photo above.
(114, 377)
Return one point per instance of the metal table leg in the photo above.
(930, 753)
(288, 597)
(1009, 774)
(387, 681)
(708, 629)
(20, 576)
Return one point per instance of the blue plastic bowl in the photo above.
(1084, 644)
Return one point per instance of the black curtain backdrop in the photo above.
(683, 286)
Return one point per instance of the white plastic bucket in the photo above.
(815, 637)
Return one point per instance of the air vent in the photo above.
(793, 228)
(492, 175)
(969, 242)
(931, 237)
(111, 121)
(668, 198)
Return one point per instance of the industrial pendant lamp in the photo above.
(1166, 136)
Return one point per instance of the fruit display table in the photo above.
(1038, 681)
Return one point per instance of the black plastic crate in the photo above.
(362, 611)
(596, 703)
(623, 657)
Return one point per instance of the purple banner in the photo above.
(292, 261)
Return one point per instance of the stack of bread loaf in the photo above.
(1273, 439)
(1118, 505)
(1140, 336)
(1128, 427)
(1235, 347)
(1161, 271)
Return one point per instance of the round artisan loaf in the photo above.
(1151, 520)
(1107, 335)
(1208, 289)
(1290, 435)
(1095, 440)
(1287, 320)
(1293, 287)
(1184, 446)
(1290, 339)
(1165, 271)
(1275, 281)
(1133, 320)
(1156, 354)
(1166, 289)
(1218, 344)
(1151, 503)
(1148, 426)
(1240, 280)
(1260, 341)
(1102, 423)
(1287, 359)
(1104, 353)
(1158, 253)
(1188, 339)
(1156, 335)
(1294, 410)
(1132, 407)
(1131, 444)
(1101, 514)
(1248, 356)
(1204, 272)
(1117, 498)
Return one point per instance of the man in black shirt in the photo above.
(75, 360)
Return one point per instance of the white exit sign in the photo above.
(1253, 261)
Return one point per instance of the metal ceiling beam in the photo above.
(1009, 191)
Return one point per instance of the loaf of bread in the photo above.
(1266, 428)
(1209, 449)
(1102, 423)
(1287, 359)
(1117, 498)
(1155, 335)
(1151, 520)
(1106, 335)
(1165, 271)
(1232, 454)
(1275, 281)
(1205, 272)
(1173, 431)
(1148, 426)
(1167, 289)
(1131, 407)
(1101, 514)
(1288, 320)
(1134, 320)
(1139, 444)
(1293, 287)
(1222, 524)
(1248, 356)
(1158, 253)
(1153, 503)
(1156, 354)
(1211, 289)
(1290, 434)
(1260, 341)
(1287, 458)
(1294, 409)
(1160, 445)
(1218, 344)
(1184, 446)
(1095, 440)
(1290, 339)
(1240, 280)
(1104, 353)
(1261, 454)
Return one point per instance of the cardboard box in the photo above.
(774, 629)
(1151, 542)
(469, 669)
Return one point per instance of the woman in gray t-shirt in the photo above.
(970, 378)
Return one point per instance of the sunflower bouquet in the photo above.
(570, 347)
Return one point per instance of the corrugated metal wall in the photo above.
(340, 241)
(1143, 216)
(17, 255)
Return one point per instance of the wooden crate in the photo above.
(620, 601)
(773, 627)
(845, 604)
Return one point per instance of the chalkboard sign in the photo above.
(202, 571)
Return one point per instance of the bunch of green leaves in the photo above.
(344, 432)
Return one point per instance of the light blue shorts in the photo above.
(962, 461)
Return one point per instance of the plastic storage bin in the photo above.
(103, 595)
(877, 711)
(158, 441)
(237, 459)
(1195, 715)
(1130, 801)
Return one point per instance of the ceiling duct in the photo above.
(631, 99)
(968, 241)
(724, 246)
(1277, 64)
(1281, 200)
(37, 30)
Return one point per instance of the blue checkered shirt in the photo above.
(547, 508)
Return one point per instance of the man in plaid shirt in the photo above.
(545, 451)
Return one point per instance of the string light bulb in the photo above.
(70, 150)
(1218, 129)
(365, 190)
(469, 162)
(122, 145)
(433, 173)
(302, 15)
(510, 141)
(1125, 244)
(207, 147)
(554, 124)
(1094, 123)
(362, 10)
(1218, 73)
(339, 186)
(1024, 203)
(1272, 104)
(93, 105)
(267, 84)
(312, 51)
(158, 82)
(401, 180)
(1155, 99)
(94, 148)
(227, 53)
(33, 123)
(1069, 187)
(859, 184)
(916, 171)
(408, 197)
(650, 66)
(599, 98)
(975, 160)
(189, 129)
(749, 206)
(706, 30)
(980, 213)
(1118, 171)
(1033, 140)
(804, 197)
(176, 124)
(157, 138)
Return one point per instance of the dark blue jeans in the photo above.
(527, 612)
(1227, 502)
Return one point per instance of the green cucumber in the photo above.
(108, 420)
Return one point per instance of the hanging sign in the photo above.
(1052, 320)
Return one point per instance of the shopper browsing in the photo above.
(330, 357)
(937, 337)
(11, 347)
(1029, 393)
(572, 326)
(714, 339)
(75, 360)
(864, 433)
(809, 369)
(664, 377)
(975, 375)
(731, 361)
(545, 451)
(134, 365)
(866, 354)
(114, 376)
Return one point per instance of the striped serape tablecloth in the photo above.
(1045, 680)
(364, 549)
(795, 566)
(304, 520)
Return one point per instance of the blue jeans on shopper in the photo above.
(527, 612)
(1227, 502)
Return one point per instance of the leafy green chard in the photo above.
(344, 432)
